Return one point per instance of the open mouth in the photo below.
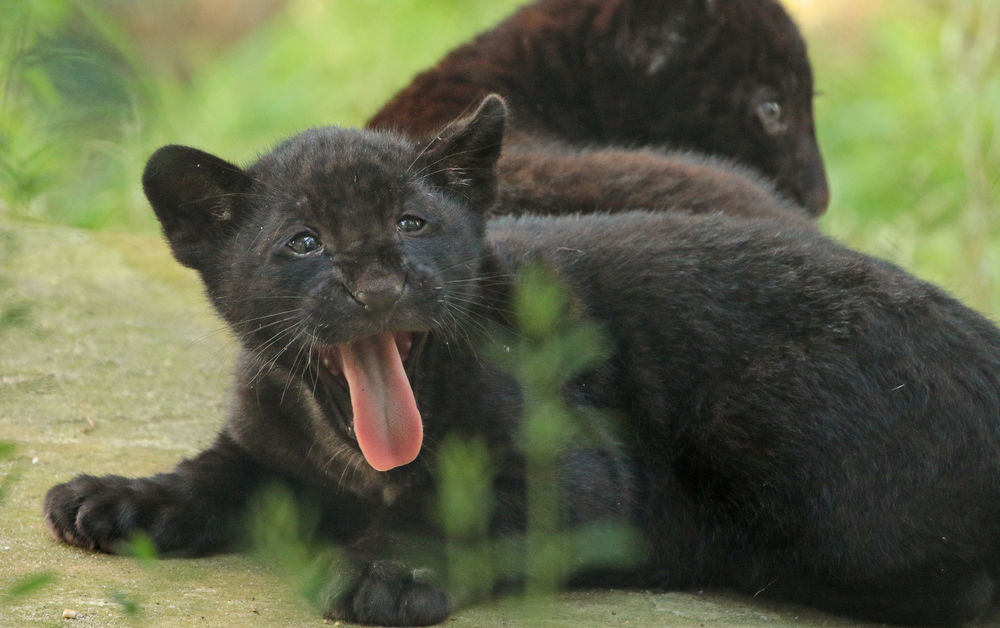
(332, 356)
(386, 421)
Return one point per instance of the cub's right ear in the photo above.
(196, 197)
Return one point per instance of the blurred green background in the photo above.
(908, 110)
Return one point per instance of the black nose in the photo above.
(817, 196)
(379, 298)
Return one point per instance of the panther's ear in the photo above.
(197, 198)
(461, 157)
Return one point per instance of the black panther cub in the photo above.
(796, 418)
(719, 77)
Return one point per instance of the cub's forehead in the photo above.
(331, 165)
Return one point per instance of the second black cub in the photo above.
(718, 77)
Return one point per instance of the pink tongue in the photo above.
(386, 420)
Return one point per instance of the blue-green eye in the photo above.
(771, 117)
(304, 243)
(410, 224)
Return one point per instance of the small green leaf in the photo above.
(29, 584)
(129, 606)
(140, 547)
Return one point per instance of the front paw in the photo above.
(104, 512)
(390, 594)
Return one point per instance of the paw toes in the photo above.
(106, 521)
(91, 512)
(62, 503)
(392, 596)
(424, 604)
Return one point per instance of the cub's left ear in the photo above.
(197, 198)
(462, 156)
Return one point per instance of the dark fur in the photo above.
(687, 74)
(796, 418)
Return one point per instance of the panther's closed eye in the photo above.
(410, 224)
(305, 243)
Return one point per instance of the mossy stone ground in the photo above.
(111, 361)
